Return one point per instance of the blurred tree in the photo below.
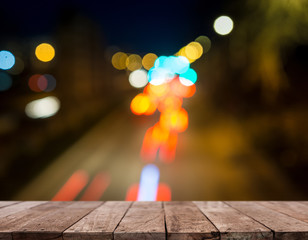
(266, 30)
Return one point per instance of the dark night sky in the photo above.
(134, 26)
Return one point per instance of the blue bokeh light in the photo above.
(148, 185)
(5, 81)
(7, 60)
(190, 75)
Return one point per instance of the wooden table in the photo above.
(153, 220)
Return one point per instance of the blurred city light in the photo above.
(39, 83)
(96, 188)
(7, 60)
(148, 185)
(33, 83)
(5, 81)
(140, 104)
(193, 51)
(205, 42)
(189, 77)
(133, 62)
(51, 82)
(148, 60)
(163, 193)
(72, 187)
(132, 192)
(18, 67)
(45, 52)
(223, 25)
(138, 78)
(43, 108)
(118, 60)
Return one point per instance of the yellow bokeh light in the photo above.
(119, 60)
(148, 60)
(192, 51)
(45, 52)
(133, 62)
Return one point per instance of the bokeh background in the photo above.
(247, 137)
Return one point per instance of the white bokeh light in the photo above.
(223, 25)
(43, 108)
(138, 78)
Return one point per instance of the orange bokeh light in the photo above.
(170, 103)
(132, 192)
(140, 104)
(72, 187)
(174, 120)
(163, 192)
(168, 149)
(181, 90)
(97, 187)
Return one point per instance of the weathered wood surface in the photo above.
(99, 224)
(144, 220)
(233, 224)
(284, 226)
(153, 220)
(297, 210)
(185, 221)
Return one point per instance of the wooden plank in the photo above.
(15, 221)
(51, 225)
(293, 209)
(7, 203)
(184, 221)
(11, 209)
(233, 224)
(99, 224)
(284, 227)
(142, 221)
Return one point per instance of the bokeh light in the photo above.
(133, 62)
(118, 60)
(138, 78)
(140, 104)
(39, 83)
(148, 185)
(51, 83)
(43, 108)
(148, 60)
(189, 77)
(72, 187)
(18, 67)
(33, 83)
(7, 60)
(193, 51)
(223, 25)
(205, 42)
(5, 81)
(174, 120)
(45, 52)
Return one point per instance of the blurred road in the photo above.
(215, 160)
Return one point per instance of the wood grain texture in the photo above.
(99, 224)
(142, 221)
(15, 221)
(233, 224)
(293, 209)
(284, 227)
(184, 221)
(51, 223)
(7, 203)
(11, 209)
